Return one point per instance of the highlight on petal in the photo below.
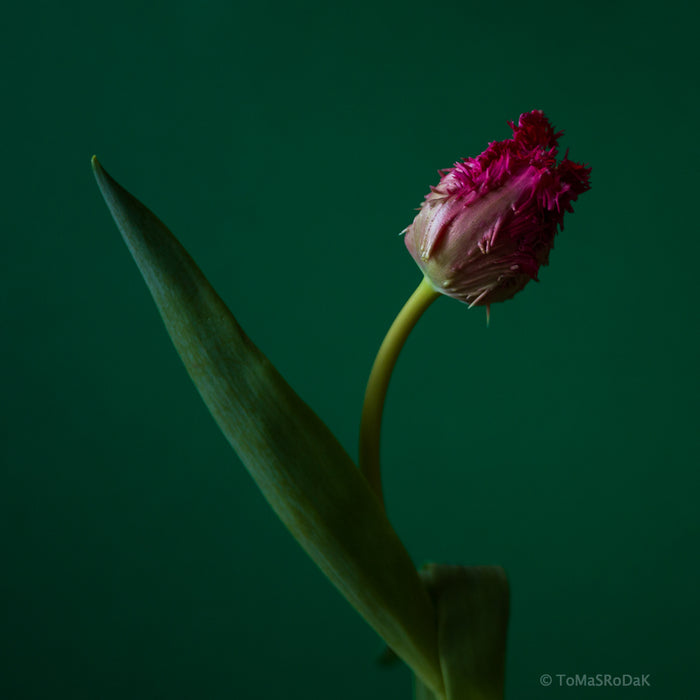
(302, 470)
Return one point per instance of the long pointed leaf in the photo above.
(303, 472)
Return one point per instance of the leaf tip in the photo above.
(104, 180)
(97, 170)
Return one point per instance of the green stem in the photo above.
(378, 383)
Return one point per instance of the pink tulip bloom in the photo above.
(482, 233)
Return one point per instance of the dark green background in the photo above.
(287, 144)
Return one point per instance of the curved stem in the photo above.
(378, 383)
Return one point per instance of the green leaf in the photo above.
(302, 470)
(472, 605)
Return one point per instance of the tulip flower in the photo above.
(484, 231)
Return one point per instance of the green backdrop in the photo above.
(287, 144)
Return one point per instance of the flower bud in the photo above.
(482, 233)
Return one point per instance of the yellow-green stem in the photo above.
(378, 383)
